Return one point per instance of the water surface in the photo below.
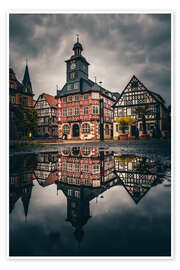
(86, 201)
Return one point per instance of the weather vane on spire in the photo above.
(77, 37)
(26, 60)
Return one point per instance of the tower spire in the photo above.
(77, 37)
(26, 80)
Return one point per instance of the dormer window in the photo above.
(76, 85)
(69, 87)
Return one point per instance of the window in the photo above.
(86, 168)
(69, 87)
(86, 150)
(12, 99)
(66, 150)
(69, 167)
(76, 111)
(69, 111)
(66, 129)
(69, 99)
(86, 96)
(77, 181)
(64, 99)
(77, 194)
(69, 192)
(128, 111)
(73, 75)
(95, 95)
(64, 167)
(106, 129)
(64, 112)
(76, 98)
(76, 85)
(69, 180)
(95, 110)
(86, 128)
(86, 182)
(86, 110)
(117, 127)
(96, 168)
(76, 167)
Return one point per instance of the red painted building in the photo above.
(85, 166)
(20, 95)
(78, 111)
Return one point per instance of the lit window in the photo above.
(95, 110)
(96, 168)
(76, 110)
(66, 129)
(86, 110)
(86, 128)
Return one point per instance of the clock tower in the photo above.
(76, 66)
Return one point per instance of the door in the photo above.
(75, 130)
(133, 130)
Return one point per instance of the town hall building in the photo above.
(84, 108)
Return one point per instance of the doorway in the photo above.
(75, 130)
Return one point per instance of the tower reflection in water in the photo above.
(82, 174)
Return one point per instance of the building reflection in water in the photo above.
(46, 168)
(21, 180)
(82, 173)
(136, 174)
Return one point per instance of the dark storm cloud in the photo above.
(116, 45)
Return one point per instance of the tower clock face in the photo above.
(73, 66)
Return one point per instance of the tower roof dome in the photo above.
(77, 45)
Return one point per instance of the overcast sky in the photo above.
(116, 46)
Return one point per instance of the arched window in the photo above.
(66, 129)
(86, 150)
(86, 128)
(106, 129)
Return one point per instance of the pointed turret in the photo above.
(26, 195)
(26, 80)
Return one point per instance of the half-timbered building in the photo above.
(46, 168)
(136, 95)
(137, 174)
(46, 106)
(78, 110)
